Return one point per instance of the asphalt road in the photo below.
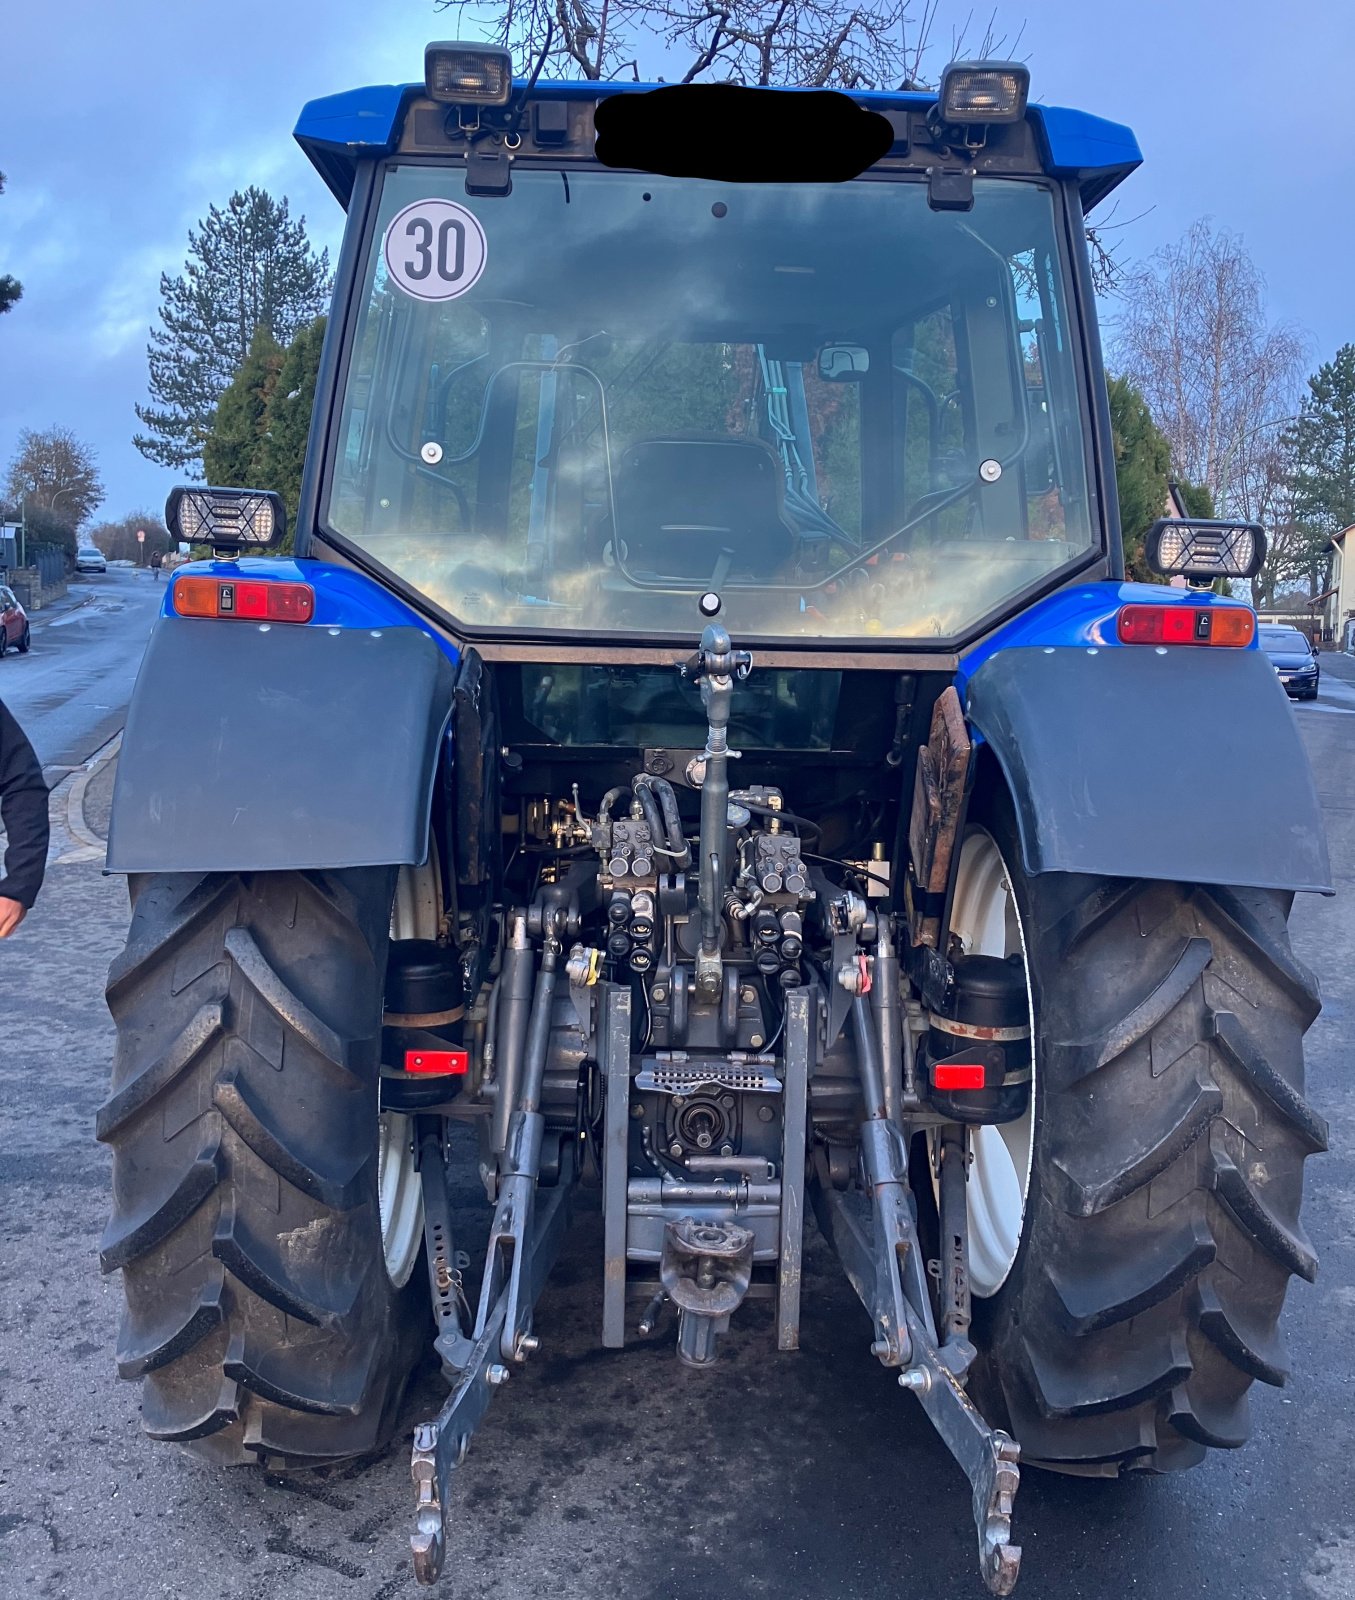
(618, 1476)
(70, 691)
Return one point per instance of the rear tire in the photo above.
(259, 1315)
(1162, 1221)
(25, 641)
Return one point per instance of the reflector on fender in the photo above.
(958, 1075)
(249, 599)
(431, 1062)
(1234, 626)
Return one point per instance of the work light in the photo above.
(468, 73)
(226, 519)
(1204, 549)
(984, 91)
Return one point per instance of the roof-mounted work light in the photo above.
(226, 519)
(1204, 550)
(468, 74)
(984, 92)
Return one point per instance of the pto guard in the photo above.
(291, 747)
(1180, 764)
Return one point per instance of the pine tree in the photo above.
(249, 266)
(1324, 451)
(233, 452)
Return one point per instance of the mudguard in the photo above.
(1184, 765)
(254, 749)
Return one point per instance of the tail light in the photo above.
(249, 599)
(1234, 626)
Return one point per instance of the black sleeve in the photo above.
(23, 808)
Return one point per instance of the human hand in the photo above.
(11, 915)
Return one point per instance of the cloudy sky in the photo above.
(120, 123)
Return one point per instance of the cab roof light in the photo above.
(460, 72)
(1204, 549)
(975, 92)
(243, 599)
(1231, 626)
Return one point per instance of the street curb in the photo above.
(50, 613)
(75, 795)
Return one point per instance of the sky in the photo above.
(120, 124)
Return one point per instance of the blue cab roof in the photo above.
(340, 130)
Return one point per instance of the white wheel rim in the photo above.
(414, 915)
(985, 919)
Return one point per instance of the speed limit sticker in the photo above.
(435, 249)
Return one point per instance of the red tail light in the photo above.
(1234, 626)
(249, 599)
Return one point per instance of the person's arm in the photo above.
(23, 808)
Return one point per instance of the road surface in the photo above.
(70, 692)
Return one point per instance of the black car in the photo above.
(1292, 656)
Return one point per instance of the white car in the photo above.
(88, 559)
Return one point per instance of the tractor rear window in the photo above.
(583, 406)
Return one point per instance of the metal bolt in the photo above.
(765, 1113)
(637, 1110)
(726, 1149)
(918, 1379)
(755, 1040)
(496, 1375)
(659, 992)
(528, 1344)
(880, 1349)
(675, 1149)
(748, 994)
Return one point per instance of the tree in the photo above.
(11, 290)
(1194, 340)
(1323, 440)
(1143, 460)
(288, 420)
(232, 453)
(118, 540)
(54, 471)
(1143, 475)
(876, 44)
(249, 266)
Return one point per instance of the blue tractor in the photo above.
(703, 760)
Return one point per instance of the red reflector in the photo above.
(1178, 624)
(958, 1075)
(455, 1062)
(248, 599)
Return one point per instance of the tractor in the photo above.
(700, 757)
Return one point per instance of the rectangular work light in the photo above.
(1205, 549)
(984, 91)
(226, 519)
(468, 74)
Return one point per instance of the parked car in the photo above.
(88, 559)
(13, 623)
(1291, 654)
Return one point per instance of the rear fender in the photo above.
(253, 748)
(1183, 764)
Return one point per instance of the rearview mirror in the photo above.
(843, 363)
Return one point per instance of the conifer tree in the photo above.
(249, 266)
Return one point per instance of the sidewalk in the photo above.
(1333, 663)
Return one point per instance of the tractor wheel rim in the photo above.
(414, 915)
(985, 919)
(401, 1196)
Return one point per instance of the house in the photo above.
(1338, 615)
